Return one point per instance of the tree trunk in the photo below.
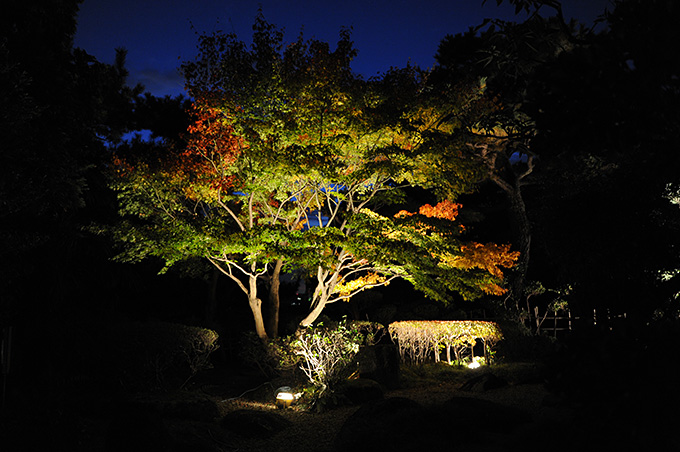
(510, 179)
(521, 229)
(274, 300)
(251, 292)
(322, 293)
(319, 303)
(256, 306)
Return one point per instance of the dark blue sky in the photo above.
(158, 33)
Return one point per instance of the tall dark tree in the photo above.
(596, 111)
(58, 107)
(607, 129)
(504, 56)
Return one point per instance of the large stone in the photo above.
(482, 416)
(361, 390)
(392, 424)
(400, 425)
(483, 383)
(254, 423)
(380, 363)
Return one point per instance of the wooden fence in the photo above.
(564, 321)
(558, 324)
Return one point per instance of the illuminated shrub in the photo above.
(416, 339)
(328, 353)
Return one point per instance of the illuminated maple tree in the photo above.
(287, 165)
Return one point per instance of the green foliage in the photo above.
(272, 358)
(417, 339)
(372, 332)
(291, 159)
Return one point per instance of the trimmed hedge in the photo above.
(416, 339)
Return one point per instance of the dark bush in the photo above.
(159, 355)
(82, 356)
(270, 358)
(519, 345)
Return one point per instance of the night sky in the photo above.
(160, 34)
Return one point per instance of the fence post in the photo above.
(538, 324)
(569, 314)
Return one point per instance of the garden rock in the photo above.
(482, 416)
(483, 383)
(380, 363)
(388, 424)
(253, 423)
(361, 391)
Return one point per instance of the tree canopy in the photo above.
(292, 163)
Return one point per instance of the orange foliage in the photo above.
(122, 167)
(212, 146)
(446, 210)
(489, 257)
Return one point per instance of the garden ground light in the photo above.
(284, 397)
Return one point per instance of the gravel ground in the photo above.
(317, 431)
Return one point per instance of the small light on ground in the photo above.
(284, 399)
(474, 364)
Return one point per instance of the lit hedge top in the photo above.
(454, 332)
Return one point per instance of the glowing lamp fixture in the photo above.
(284, 397)
(474, 364)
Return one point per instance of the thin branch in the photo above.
(251, 220)
(530, 168)
(368, 286)
(231, 213)
(229, 274)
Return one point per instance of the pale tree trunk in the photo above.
(250, 290)
(322, 294)
(318, 306)
(256, 307)
(274, 300)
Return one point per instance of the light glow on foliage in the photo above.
(489, 257)
(417, 339)
(211, 150)
(451, 254)
(446, 210)
(346, 287)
